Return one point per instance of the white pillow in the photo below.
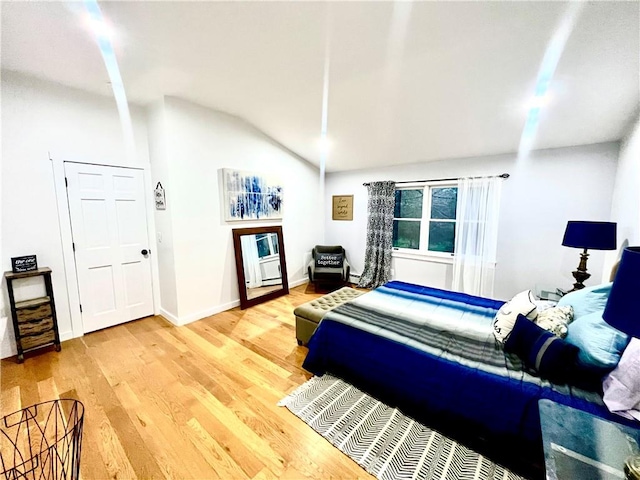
(622, 386)
(522, 304)
(556, 320)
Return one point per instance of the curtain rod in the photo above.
(502, 175)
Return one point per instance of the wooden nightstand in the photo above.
(35, 324)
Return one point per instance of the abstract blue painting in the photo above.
(251, 196)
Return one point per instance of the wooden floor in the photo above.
(197, 401)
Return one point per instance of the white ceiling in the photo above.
(408, 82)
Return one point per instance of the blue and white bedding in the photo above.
(432, 353)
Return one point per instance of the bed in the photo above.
(432, 353)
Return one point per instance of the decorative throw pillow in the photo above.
(542, 351)
(522, 304)
(544, 304)
(622, 386)
(600, 344)
(587, 300)
(556, 320)
(328, 260)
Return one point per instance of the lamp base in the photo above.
(632, 467)
(580, 274)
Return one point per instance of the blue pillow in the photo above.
(587, 300)
(540, 350)
(600, 344)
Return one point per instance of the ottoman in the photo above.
(309, 314)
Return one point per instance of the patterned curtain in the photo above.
(377, 260)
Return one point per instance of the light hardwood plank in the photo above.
(186, 402)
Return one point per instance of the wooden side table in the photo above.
(35, 324)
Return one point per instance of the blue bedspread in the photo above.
(432, 353)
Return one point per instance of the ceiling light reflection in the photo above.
(545, 75)
(100, 28)
(538, 102)
(324, 144)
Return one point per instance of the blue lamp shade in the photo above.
(590, 235)
(623, 307)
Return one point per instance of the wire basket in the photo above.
(42, 442)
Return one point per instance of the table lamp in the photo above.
(621, 313)
(588, 235)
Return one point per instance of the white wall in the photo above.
(188, 143)
(200, 142)
(544, 191)
(160, 172)
(37, 118)
(625, 206)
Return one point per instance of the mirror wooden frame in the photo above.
(242, 288)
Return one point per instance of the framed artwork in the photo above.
(251, 196)
(342, 207)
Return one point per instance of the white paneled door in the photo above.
(109, 224)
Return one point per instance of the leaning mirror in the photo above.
(260, 264)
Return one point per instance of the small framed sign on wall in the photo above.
(161, 202)
(342, 207)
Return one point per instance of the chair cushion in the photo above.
(329, 260)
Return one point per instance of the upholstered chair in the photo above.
(328, 265)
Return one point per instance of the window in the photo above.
(425, 218)
(267, 244)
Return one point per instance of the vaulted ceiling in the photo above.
(406, 82)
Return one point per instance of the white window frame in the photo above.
(423, 253)
(271, 242)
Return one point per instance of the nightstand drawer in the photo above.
(33, 341)
(36, 327)
(34, 313)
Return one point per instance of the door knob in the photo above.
(144, 251)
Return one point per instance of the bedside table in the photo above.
(550, 294)
(35, 324)
(579, 445)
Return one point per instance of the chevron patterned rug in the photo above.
(383, 441)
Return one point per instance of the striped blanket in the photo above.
(452, 326)
(432, 354)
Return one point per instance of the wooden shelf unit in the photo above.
(35, 324)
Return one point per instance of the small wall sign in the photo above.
(343, 207)
(27, 263)
(161, 203)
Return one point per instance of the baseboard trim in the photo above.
(194, 317)
(68, 335)
(295, 283)
(170, 317)
(8, 350)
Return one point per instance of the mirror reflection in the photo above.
(260, 264)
